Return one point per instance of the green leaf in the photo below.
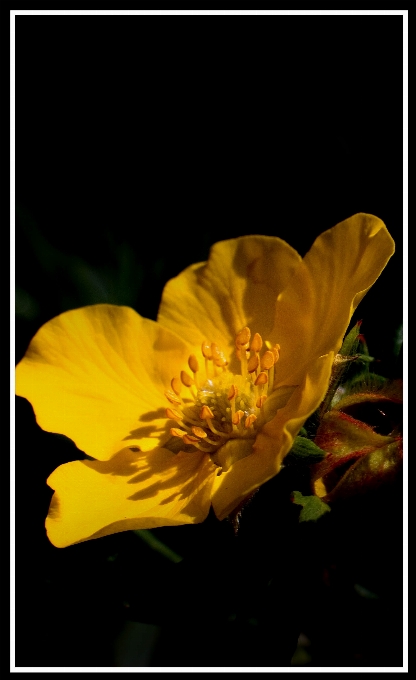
(351, 341)
(304, 451)
(312, 507)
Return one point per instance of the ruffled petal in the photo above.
(237, 287)
(313, 312)
(273, 442)
(134, 490)
(98, 375)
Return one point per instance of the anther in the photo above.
(241, 353)
(172, 397)
(243, 337)
(260, 401)
(237, 417)
(186, 379)
(206, 350)
(189, 439)
(176, 432)
(276, 352)
(173, 414)
(250, 420)
(256, 343)
(253, 363)
(232, 392)
(206, 413)
(176, 385)
(267, 360)
(261, 379)
(199, 432)
(193, 363)
(218, 355)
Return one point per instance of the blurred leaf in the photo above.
(312, 507)
(304, 451)
(154, 543)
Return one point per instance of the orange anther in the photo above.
(218, 355)
(267, 360)
(260, 401)
(199, 432)
(243, 337)
(172, 397)
(189, 439)
(256, 343)
(206, 413)
(237, 417)
(253, 363)
(176, 432)
(186, 379)
(172, 413)
(239, 353)
(206, 350)
(176, 385)
(232, 392)
(261, 379)
(250, 420)
(276, 352)
(221, 360)
(193, 363)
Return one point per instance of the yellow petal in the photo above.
(98, 375)
(237, 287)
(313, 312)
(132, 491)
(273, 442)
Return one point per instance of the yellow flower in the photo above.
(195, 409)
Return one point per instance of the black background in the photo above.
(140, 142)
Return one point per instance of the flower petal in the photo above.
(97, 375)
(134, 490)
(313, 312)
(273, 442)
(237, 287)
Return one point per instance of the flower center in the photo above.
(218, 405)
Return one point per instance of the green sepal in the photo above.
(351, 341)
(304, 451)
(347, 355)
(312, 507)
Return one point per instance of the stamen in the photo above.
(260, 401)
(256, 343)
(232, 393)
(237, 417)
(267, 360)
(253, 363)
(172, 397)
(250, 420)
(194, 366)
(218, 356)
(276, 354)
(199, 432)
(242, 343)
(176, 385)
(186, 379)
(206, 413)
(260, 381)
(190, 439)
(207, 354)
(243, 337)
(176, 432)
(173, 414)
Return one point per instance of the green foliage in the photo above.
(312, 507)
(304, 451)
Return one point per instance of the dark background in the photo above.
(140, 142)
